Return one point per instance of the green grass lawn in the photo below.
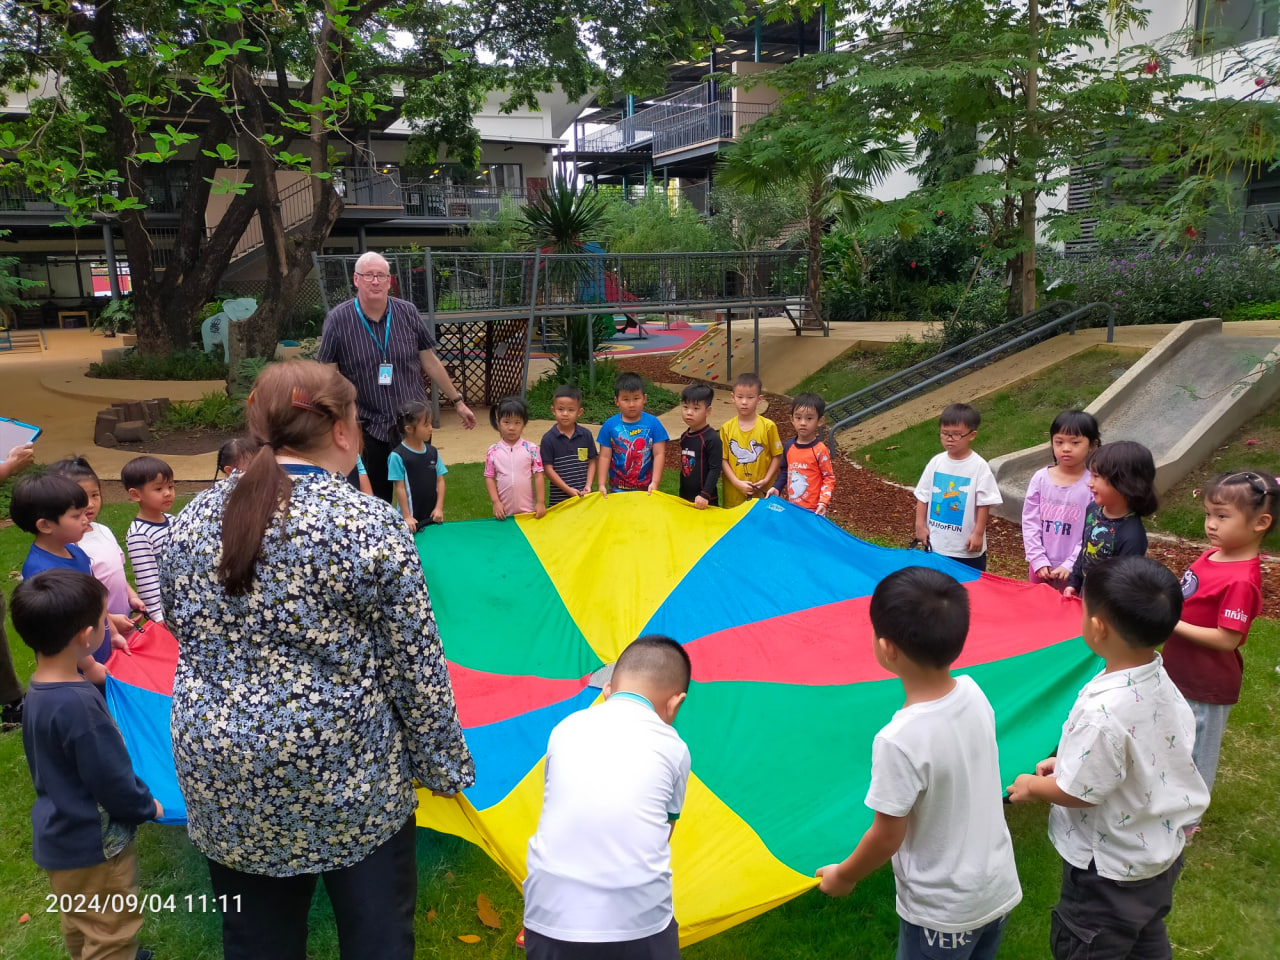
(1012, 419)
(848, 373)
(1225, 904)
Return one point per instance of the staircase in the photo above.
(996, 344)
(12, 341)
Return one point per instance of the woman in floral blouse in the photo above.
(311, 688)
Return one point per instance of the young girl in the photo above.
(105, 556)
(234, 455)
(1122, 477)
(1222, 594)
(415, 468)
(1057, 497)
(509, 464)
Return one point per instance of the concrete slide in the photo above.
(1185, 397)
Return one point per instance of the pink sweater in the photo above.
(1052, 521)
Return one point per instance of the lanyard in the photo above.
(386, 332)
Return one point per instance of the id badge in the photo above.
(384, 374)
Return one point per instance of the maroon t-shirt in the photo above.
(1226, 595)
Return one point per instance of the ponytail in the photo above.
(293, 404)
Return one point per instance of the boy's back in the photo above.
(1126, 749)
(936, 763)
(600, 863)
(78, 763)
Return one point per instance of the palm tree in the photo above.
(564, 219)
(806, 149)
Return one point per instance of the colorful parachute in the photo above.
(772, 604)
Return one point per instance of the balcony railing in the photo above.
(722, 120)
(636, 130)
(438, 201)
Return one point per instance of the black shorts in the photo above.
(664, 945)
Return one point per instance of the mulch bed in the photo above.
(181, 443)
(866, 504)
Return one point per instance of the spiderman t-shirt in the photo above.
(631, 447)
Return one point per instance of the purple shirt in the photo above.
(1053, 522)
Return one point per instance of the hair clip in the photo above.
(249, 401)
(298, 398)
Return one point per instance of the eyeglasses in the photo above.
(954, 436)
(375, 277)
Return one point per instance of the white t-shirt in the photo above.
(953, 489)
(600, 863)
(107, 562)
(936, 763)
(1126, 748)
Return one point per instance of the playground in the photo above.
(1222, 901)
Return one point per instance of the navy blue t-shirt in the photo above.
(39, 560)
(88, 800)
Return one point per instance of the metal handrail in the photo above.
(972, 363)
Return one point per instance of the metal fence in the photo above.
(719, 120)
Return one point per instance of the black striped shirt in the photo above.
(358, 354)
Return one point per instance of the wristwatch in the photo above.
(455, 400)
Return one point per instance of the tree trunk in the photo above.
(813, 273)
(1027, 272)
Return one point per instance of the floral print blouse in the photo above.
(304, 709)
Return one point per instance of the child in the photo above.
(599, 882)
(632, 442)
(567, 449)
(1122, 783)
(52, 508)
(415, 469)
(1122, 477)
(1057, 497)
(509, 464)
(149, 482)
(701, 454)
(88, 801)
(236, 454)
(750, 444)
(935, 781)
(105, 556)
(806, 478)
(1222, 593)
(956, 492)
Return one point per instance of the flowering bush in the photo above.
(1170, 286)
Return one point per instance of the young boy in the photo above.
(752, 449)
(632, 442)
(567, 449)
(51, 507)
(1122, 783)
(806, 478)
(599, 883)
(935, 781)
(88, 801)
(149, 482)
(700, 450)
(956, 492)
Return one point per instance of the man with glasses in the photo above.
(382, 345)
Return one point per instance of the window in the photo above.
(1225, 23)
(102, 279)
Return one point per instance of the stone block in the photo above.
(134, 410)
(132, 431)
(284, 352)
(113, 355)
(105, 425)
(152, 410)
(108, 440)
(164, 405)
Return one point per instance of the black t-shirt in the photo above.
(420, 477)
(1105, 537)
(79, 764)
(570, 457)
(700, 458)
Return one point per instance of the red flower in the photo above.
(913, 264)
(1260, 82)
(1152, 66)
(1192, 232)
(939, 213)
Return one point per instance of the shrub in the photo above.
(179, 365)
(597, 401)
(1254, 311)
(1166, 286)
(213, 411)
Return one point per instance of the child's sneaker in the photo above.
(1188, 833)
